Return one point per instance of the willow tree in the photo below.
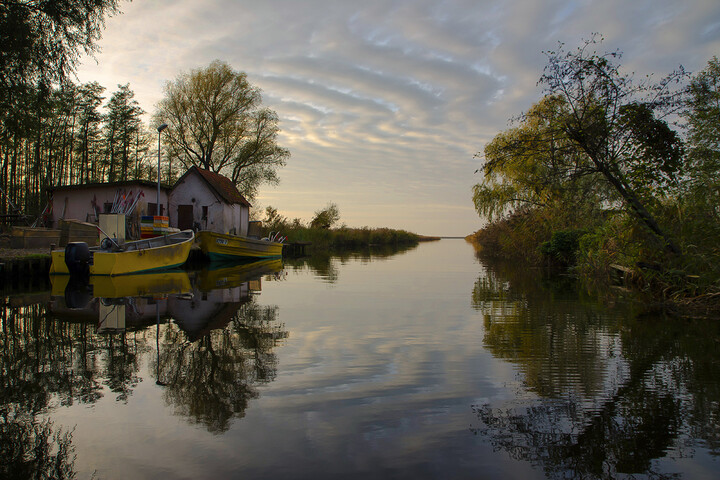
(613, 129)
(535, 165)
(217, 122)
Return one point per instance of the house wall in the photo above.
(221, 217)
(79, 203)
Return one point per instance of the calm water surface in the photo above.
(425, 363)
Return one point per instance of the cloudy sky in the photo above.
(383, 104)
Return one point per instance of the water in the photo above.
(424, 363)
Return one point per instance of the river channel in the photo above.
(422, 363)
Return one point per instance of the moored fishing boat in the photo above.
(110, 258)
(222, 247)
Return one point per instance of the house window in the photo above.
(204, 213)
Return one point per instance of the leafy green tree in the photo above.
(122, 126)
(697, 206)
(41, 41)
(217, 123)
(273, 220)
(326, 217)
(597, 123)
(702, 113)
(618, 125)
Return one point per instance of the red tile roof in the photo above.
(222, 186)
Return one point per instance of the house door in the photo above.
(185, 217)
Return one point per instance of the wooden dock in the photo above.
(24, 272)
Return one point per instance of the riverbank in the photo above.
(606, 265)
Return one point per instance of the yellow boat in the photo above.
(223, 247)
(150, 254)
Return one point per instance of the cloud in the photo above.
(390, 99)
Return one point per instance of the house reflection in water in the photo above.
(198, 301)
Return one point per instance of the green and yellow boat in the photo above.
(224, 247)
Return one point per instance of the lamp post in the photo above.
(159, 129)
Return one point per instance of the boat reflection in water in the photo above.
(213, 340)
(198, 301)
(116, 302)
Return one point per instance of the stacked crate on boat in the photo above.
(154, 226)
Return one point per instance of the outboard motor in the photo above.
(77, 258)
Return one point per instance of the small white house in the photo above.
(204, 200)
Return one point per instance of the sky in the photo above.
(385, 104)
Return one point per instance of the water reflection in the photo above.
(599, 395)
(36, 367)
(33, 449)
(223, 348)
(211, 344)
(324, 264)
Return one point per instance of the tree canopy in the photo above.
(703, 117)
(595, 122)
(41, 41)
(326, 217)
(217, 122)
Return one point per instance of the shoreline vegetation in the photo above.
(345, 237)
(322, 234)
(616, 181)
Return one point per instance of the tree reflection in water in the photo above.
(34, 366)
(602, 394)
(53, 355)
(323, 263)
(211, 380)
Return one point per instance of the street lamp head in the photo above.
(162, 127)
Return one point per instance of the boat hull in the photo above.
(138, 257)
(222, 247)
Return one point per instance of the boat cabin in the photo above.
(204, 200)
